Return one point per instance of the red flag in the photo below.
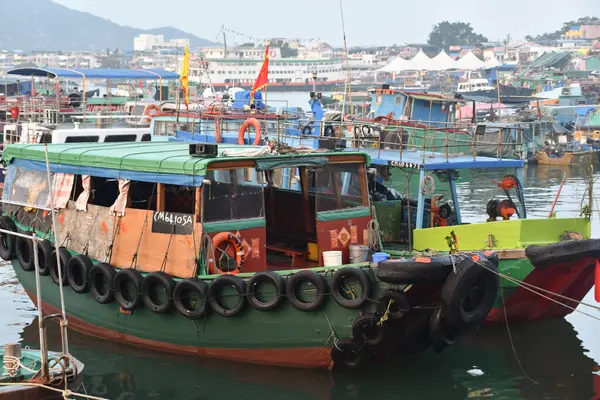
(141, 85)
(263, 77)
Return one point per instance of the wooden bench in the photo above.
(298, 257)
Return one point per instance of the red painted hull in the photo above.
(313, 358)
(572, 279)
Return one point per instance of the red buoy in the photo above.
(14, 112)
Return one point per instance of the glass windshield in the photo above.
(338, 187)
(233, 194)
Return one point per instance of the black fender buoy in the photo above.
(366, 331)
(78, 270)
(253, 290)
(190, 297)
(395, 303)
(367, 130)
(346, 353)
(127, 287)
(101, 277)
(214, 292)
(416, 270)
(342, 283)
(443, 333)
(329, 131)
(157, 292)
(307, 130)
(7, 242)
(45, 250)
(469, 295)
(64, 256)
(293, 290)
(24, 251)
(357, 132)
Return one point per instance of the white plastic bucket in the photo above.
(332, 258)
(358, 253)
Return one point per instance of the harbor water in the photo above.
(555, 359)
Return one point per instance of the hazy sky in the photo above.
(367, 21)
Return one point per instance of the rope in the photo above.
(64, 393)
(510, 338)
(11, 365)
(428, 185)
(374, 239)
(137, 248)
(164, 262)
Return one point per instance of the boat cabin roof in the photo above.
(164, 162)
(435, 161)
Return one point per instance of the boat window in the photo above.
(230, 196)
(146, 137)
(378, 99)
(104, 191)
(399, 100)
(480, 130)
(143, 195)
(25, 186)
(81, 139)
(180, 199)
(286, 178)
(338, 187)
(120, 138)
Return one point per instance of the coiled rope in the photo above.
(428, 185)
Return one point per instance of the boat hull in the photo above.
(572, 158)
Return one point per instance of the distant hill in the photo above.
(44, 25)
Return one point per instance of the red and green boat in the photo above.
(240, 253)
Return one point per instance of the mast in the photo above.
(347, 85)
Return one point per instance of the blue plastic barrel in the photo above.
(378, 257)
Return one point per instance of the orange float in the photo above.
(150, 111)
(240, 257)
(14, 112)
(247, 123)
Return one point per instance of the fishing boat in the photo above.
(227, 251)
(21, 377)
(545, 157)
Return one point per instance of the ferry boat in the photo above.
(222, 69)
(232, 252)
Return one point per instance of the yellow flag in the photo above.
(183, 76)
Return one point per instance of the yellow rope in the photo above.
(385, 314)
(65, 393)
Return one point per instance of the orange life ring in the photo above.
(254, 122)
(218, 133)
(148, 111)
(240, 256)
(14, 112)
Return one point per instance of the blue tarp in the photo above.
(78, 73)
(242, 98)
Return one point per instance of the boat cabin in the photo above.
(474, 85)
(427, 108)
(190, 209)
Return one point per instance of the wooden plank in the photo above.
(511, 254)
(364, 189)
(198, 204)
(160, 198)
(306, 199)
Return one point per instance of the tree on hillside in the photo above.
(446, 34)
(565, 28)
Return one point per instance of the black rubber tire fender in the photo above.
(367, 130)
(366, 331)
(265, 277)
(7, 242)
(45, 249)
(219, 284)
(181, 302)
(337, 281)
(24, 252)
(317, 281)
(64, 256)
(424, 270)
(544, 256)
(123, 278)
(328, 131)
(474, 281)
(101, 277)
(78, 270)
(307, 131)
(346, 354)
(443, 333)
(158, 280)
(399, 304)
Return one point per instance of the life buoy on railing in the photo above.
(240, 257)
(250, 122)
(14, 112)
(150, 111)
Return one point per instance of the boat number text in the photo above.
(169, 222)
(405, 164)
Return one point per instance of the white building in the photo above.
(146, 42)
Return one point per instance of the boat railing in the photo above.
(65, 360)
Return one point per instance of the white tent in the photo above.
(493, 63)
(469, 62)
(420, 62)
(442, 62)
(398, 64)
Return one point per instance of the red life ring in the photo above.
(250, 122)
(14, 112)
(150, 111)
(240, 256)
